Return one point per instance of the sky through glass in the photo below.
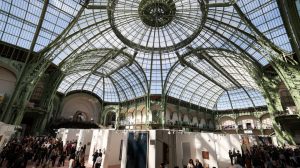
(202, 53)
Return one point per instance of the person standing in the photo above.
(239, 158)
(248, 161)
(231, 156)
(98, 161)
(62, 158)
(234, 156)
(198, 164)
(72, 160)
(95, 155)
(191, 164)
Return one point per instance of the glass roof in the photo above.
(198, 51)
(191, 83)
(19, 20)
(240, 98)
(111, 74)
(298, 6)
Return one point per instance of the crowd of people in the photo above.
(49, 151)
(97, 159)
(41, 152)
(197, 164)
(266, 156)
(190, 164)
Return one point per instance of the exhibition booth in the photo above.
(149, 148)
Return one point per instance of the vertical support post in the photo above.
(290, 75)
(135, 115)
(149, 111)
(102, 104)
(164, 111)
(270, 92)
(22, 83)
(25, 96)
(48, 97)
(118, 112)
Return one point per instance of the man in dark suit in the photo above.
(231, 156)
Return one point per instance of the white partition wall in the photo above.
(84, 139)
(113, 152)
(99, 141)
(6, 131)
(190, 145)
(224, 143)
(111, 143)
(185, 148)
(151, 149)
(68, 134)
(206, 143)
(175, 147)
(124, 151)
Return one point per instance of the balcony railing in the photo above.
(234, 127)
(292, 110)
(168, 125)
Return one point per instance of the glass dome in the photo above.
(202, 52)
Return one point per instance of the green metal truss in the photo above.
(269, 86)
(30, 72)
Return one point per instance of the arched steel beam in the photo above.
(204, 55)
(233, 30)
(187, 84)
(261, 37)
(207, 98)
(67, 90)
(97, 84)
(64, 40)
(96, 7)
(215, 105)
(232, 27)
(93, 70)
(66, 30)
(102, 61)
(127, 83)
(139, 79)
(224, 4)
(245, 59)
(235, 45)
(132, 61)
(190, 65)
(125, 54)
(253, 104)
(169, 75)
(229, 98)
(200, 85)
(219, 68)
(119, 86)
(105, 59)
(78, 48)
(87, 52)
